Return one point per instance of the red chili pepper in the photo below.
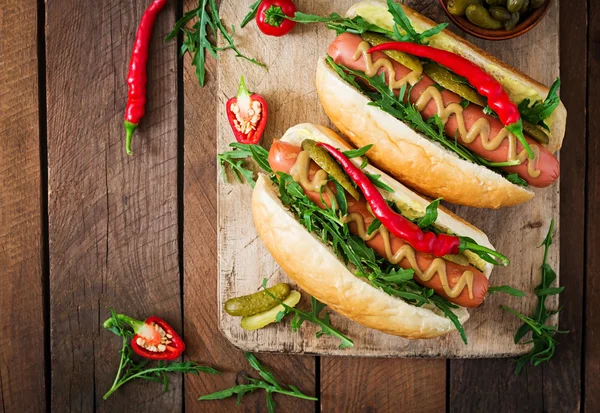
(483, 82)
(428, 242)
(136, 78)
(154, 338)
(269, 19)
(247, 114)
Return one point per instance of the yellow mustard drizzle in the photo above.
(299, 173)
(480, 128)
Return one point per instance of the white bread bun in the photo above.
(316, 269)
(408, 155)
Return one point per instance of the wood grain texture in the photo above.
(382, 385)
(592, 293)
(112, 218)
(244, 260)
(556, 386)
(205, 342)
(22, 384)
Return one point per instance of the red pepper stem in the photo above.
(487, 254)
(274, 16)
(129, 129)
(243, 92)
(516, 129)
(136, 325)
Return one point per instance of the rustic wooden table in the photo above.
(83, 226)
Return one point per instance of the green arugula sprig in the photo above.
(130, 370)
(409, 34)
(507, 289)
(540, 110)
(542, 335)
(301, 316)
(196, 39)
(431, 214)
(235, 158)
(251, 14)
(268, 383)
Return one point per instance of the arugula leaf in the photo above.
(431, 214)
(269, 384)
(251, 14)
(506, 289)
(409, 33)
(196, 40)
(540, 110)
(446, 307)
(375, 179)
(373, 226)
(301, 316)
(355, 153)
(235, 157)
(516, 179)
(542, 335)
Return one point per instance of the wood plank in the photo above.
(205, 342)
(382, 385)
(22, 383)
(112, 218)
(555, 386)
(592, 293)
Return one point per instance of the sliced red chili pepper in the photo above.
(485, 84)
(247, 114)
(136, 78)
(269, 17)
(154, 338)
(423, 241)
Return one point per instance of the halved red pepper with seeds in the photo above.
(247, 113)
(154, 338)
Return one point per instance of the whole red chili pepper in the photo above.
(483, 82)
(136, 78)
(247, 114)
(428, 242)
(154, 338)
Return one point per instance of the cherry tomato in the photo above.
(272, 24)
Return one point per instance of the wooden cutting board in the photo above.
(289, 89)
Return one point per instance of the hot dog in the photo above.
(343, 49)
(320, 263)
(282, 157)
(489, 166)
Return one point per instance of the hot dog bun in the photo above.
(408, 155)
(315, 268)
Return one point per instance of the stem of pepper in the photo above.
(129, 129)
(516, 129)
(485, 253)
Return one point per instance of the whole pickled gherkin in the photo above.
(500, 13)
(453, 83)
(514, 5)
(405, 59)
(481, 17)
(496, 2)
(329, 165)
(260, 320)
(256, 303)
(514, 19)
(458, 7)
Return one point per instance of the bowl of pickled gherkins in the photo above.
(495, 19)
